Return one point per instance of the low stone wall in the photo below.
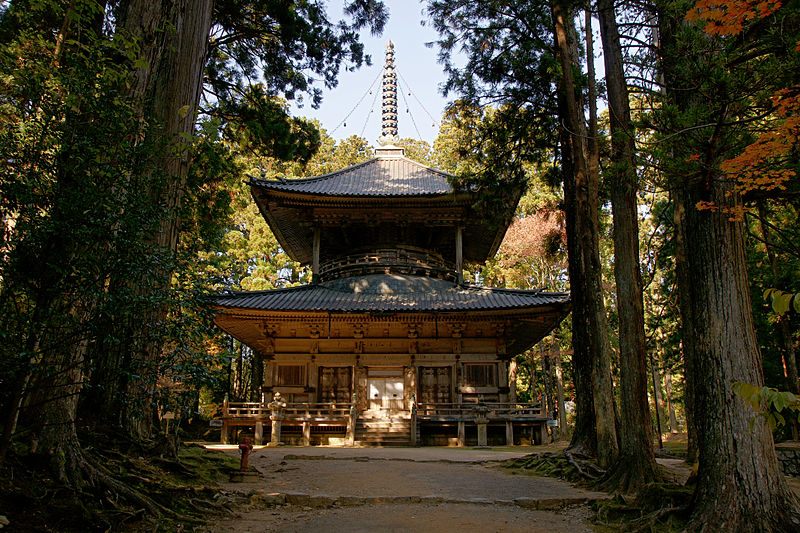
(789, 457)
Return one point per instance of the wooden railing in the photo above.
(469, 410)
(394, 259)
(245, 410)
(292, 411)
(317, 410)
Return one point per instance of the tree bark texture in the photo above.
(173, 36)
(636, 465)
(687, 343)
(595, 430)
(513, 368)
(740, 485)
(562, 412)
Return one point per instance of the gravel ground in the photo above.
(403, 489)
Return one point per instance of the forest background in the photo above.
(127, 130)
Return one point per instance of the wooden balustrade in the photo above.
(494, 410)
(292, 411)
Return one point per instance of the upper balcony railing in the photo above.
(389, 260)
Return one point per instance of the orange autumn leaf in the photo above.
(728, 17)
(762, 164)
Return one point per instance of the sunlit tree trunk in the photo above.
(595, 431)
(512, 380)
(636, 464)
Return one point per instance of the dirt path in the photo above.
(403, 489)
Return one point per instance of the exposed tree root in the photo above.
(629, 475)
(783, 516)
(75, 488)
(561, 465)
(657, 507)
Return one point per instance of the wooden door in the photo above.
(435, 384)
(335, 384)
(386, 394)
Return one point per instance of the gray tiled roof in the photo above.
(381, 176)
(389, 293)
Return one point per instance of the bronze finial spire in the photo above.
(389, 107)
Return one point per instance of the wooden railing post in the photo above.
(351, 421)
(413, 419)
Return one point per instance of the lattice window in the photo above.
(290, 376)
(335, 384)
(434, 384)
(480, 375)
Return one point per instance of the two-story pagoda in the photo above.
(388, 344)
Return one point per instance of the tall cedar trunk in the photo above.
(584, 434)
(256, 376)
(56, 431)
(663, 38)
(174, 36)
(63, 310)
(238, 379)
(687, 343)
(636, 464)
(595, 423)
(740, 485)
(673, 420)
(562, 412)
(658, 397)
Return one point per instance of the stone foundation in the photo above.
(789, 457)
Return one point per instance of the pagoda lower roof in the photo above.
(391, 293)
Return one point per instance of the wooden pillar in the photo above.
(459, 254)
(306, 433)
(259, 437)
(509, 433)
(462, 434)
(315, 255)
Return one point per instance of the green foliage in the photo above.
(83, 187)
(782, 302)
(774, 406)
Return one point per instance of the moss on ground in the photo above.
(187, 488)
(659, 507)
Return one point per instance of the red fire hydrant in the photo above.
(245, 447)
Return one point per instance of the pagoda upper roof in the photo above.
(391, 293)
(390, 174)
